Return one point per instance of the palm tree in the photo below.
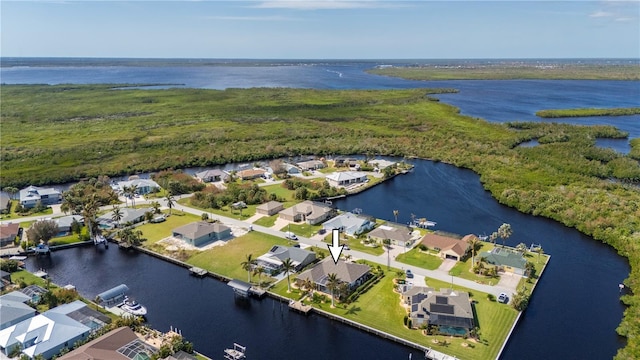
(473, 242)
(332, 285)
(395, 214)
(309, 285)
(89, 214)
(171, 201)
(11, 191)
(133, 190)
(116, 215)
(387, 245)
(125, 192)
(259, 270)
(504, 231)
(248, 265)
(287, 267)
(540, 251)
(493, 237)
(522, 248)
(156, 207)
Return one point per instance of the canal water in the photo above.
(572, 315)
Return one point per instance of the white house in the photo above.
(30, 196)
(350, 224)
(344, 178)
(143, 186)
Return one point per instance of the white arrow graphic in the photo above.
(335, 248)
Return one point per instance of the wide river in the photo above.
(573, 313)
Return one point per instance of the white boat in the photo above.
(133, 307)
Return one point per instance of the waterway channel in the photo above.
(572, 315)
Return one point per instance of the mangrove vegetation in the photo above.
(584, 112)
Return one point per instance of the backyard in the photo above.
(463, 268)
(419, 258)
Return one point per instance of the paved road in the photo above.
(382, 259)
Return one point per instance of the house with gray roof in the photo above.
(270, 208)
(201, 232)
(380, 164)
(14, 309)
(506, 260)
(345, 178)
(272, 261)
(65, 222)
(213, 175)
(311, 165)
(448, 309)
(129, 215)
(399, 235)
(349, 273)
(309, 211)
(48, 333)
(31, 195)
(143, 186)
(5, 201)
(350, 224)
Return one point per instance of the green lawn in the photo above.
(495, 319)
(421, 259)
(246, 213)
(538, 263)
(156, 232)
(267, 221)
(356, 244)
(463, 268)
(67, 239)
(14, 215)
(302, 229)
(28, 278)
(282, 193)
(226, 260)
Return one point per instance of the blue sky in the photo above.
(326, 29)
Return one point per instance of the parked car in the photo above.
(503, 298)
(409, 274)
(291, 236)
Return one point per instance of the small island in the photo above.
(584, 112)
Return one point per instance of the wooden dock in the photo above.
(300, 307)
(257, 292)
(196, 271)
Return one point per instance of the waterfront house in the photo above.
(14, 309)
(214, 175)
(65, 222)
(5, 203)
(118, 344)
(350, 224)
(143, 186)
(270, 208)
(201, 232)
(31, 195)
(345, 178)
(349, 273)
(399, 235)
(309, 211)
(250, 174)
(291, 169)
(506, 260)
(446, 246)
(34, 292)
(311, 165)
(448, 309)
(48, 333)
(272, 261)
(129, 216)
(380, 164)
(8, 233)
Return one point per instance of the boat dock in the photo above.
(196, 271)
(299, 307)
(237, 353)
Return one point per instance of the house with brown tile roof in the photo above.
(309, 211)
(400, 236)
(8, 233)
(270, 208)
(447, 247)
(113, 346)
(251, 174)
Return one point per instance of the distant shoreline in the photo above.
(587, 112)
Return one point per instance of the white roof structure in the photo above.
(141, 183)
(346, 176)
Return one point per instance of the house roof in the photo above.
(447, 308)
(9, 230)
(381, 163)
(251, 173)
(346, 272)
(139, 183)
(310, 163)
(309, 208)
(346, 175)
(4, 201)
(35, 193)
(504, 257)
(66, 221)
(269, 205)
(13, 307)
(199, 229)
(391, 233)
(128, 214)
(212, 174)
(279, 253)
(347, 221)
(110, 346)
(445, 243)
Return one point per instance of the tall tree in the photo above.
(116, 215)
(259, 270)
(395, 215)
(156, 207)
(493, 237)
(332, 285)
(504, 232)
(171, 201)
(133, 191)
(89, 212)
(43, 231)
(387, 245)
(540, 251)
(473, 243)
(309, 285)
(287, 267)
(10, 190)
(247, 265)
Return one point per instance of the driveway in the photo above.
(509, 281)
(447, 265)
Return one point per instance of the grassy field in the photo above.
(421, 259)
(584, 112)
(503, 72)
(267, 221)
(494, 319)
(302, 229)
(14, 215)
(356, 244)
(158, 231)
(226, 260)
(246, 213)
